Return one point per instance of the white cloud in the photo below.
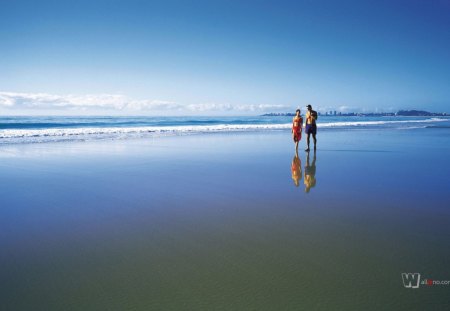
(342, 108)
(47, 101)
(229, 107)
(116, 102)
(346, 109)
(210, 107)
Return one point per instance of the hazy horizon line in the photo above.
(103, 104)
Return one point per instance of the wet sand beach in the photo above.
(217, 222)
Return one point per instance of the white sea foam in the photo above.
(369, 123)
(30, 135)
(136, 130)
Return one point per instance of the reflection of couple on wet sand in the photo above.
(296, 169)
(310, 171)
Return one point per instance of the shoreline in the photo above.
(25, 136)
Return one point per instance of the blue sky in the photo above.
(222, 57)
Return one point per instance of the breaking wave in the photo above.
(43, 132)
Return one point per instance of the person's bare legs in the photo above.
(295, 140)
(315, 141)
(307, 141)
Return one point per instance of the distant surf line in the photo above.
(81, 133)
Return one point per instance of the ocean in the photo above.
(18, 130)
(234, 220)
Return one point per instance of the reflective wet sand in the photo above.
(216, 222)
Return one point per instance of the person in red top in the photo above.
(297, 123)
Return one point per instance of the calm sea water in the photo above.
(15, 130)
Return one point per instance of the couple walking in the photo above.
(310, 127)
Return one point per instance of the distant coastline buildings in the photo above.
(400, 113)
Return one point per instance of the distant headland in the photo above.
(400, 113)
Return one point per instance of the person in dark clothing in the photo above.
(311, 127)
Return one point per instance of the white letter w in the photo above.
(411, 280)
